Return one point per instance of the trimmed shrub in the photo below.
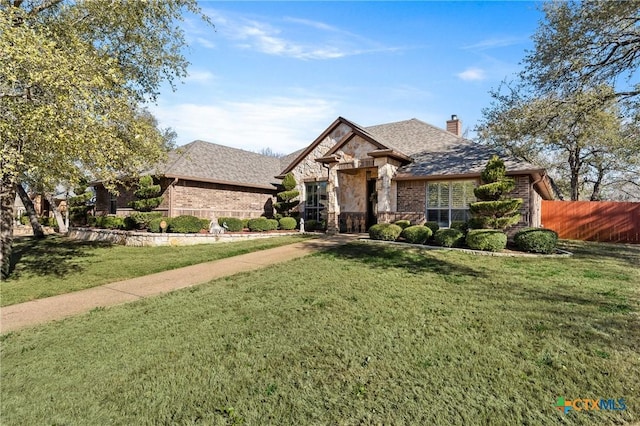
(460, 225)
(311, 225)
(205, 224)
(486, 239)
(245, 223)
(273, 224)
(448, 237)
(288, 223)
(416, 234)
(536, 240)
(233, 224)
(140, 220)
(433, 226)
(24, 219)
(385, 232)
(185, 224)
(111, 222)
(92, 221)
(402, 223)
(258, 224)
(154, 225)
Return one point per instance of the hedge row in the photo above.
(535, 240)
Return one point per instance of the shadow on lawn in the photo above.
(52, 255)
(623, 253)
(606, 317)
(411, 260)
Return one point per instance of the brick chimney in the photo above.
(454, 125)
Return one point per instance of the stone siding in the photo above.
(352, 192)
(148, 239)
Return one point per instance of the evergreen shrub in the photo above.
(233, 224)
(185, 224)
(536, 240)
(385, 232)
(486, 239)
(416, 234)
(288, 223)
(448, 237)
(402, 223)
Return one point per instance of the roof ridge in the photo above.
(181, 156)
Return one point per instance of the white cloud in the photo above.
(472, 74)
(491, 43)
(200, 76)
(282, 124)
(295, 38)
(205, 42)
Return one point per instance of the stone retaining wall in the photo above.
(148, 239)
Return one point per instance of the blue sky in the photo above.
(276, 74)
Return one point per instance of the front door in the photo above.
(372, 203)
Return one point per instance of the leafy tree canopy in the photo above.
(73, 79)
(574, 107)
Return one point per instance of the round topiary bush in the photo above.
(258, 224)
(185, 224)
(272, 224)
(402, 223)
(433, 226)
(385, 232)
(288, 223)
(536, 240)
(416, 234)
(233, 224)
(448, 237)
(486, 239)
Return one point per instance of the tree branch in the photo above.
(43, 6)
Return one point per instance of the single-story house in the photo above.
(349, 178)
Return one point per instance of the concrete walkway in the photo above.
(21, 315)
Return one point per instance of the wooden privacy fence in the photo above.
(605, 221)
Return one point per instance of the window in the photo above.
(316, 201)
(449, 201)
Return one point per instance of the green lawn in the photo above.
(362, 334)
(57, 265)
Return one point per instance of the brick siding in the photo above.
(412, 196)
(205, 200)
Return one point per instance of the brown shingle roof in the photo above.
(212, 162)
(437, 152)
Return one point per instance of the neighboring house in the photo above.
(206, 180)
(349, 178)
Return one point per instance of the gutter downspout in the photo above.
(171, 196)
(532, 197)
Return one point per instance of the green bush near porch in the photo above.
(385, 232)
(187, 224)
(402, 223)
(449, 237)
(486, 239)
(536, 240)
(233, 224)
(416, 234)
(288, 223)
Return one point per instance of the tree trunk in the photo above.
(31, 211)
(62, 228)
(7, 200)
